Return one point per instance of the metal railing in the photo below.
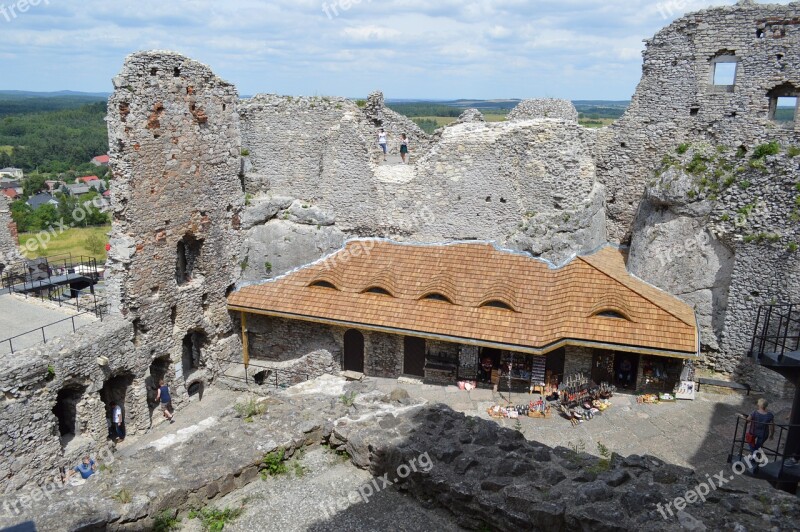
(51, 277)
(42, 330)
(777, 330)
(777, 451)
(271, 376)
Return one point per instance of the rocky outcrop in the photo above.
(544, 108)
(718, 228)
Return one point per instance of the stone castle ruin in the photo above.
(211, 191)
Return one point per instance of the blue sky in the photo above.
(438, 49)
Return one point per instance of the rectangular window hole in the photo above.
(724, 73)
(785, 109)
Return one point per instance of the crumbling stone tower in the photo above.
(8, 235)
(175, 151)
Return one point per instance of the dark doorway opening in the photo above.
(159, 369)
(192, 357)
(554, 365)
(490, 361)
(626, 367)
(261, 377)
(414, 356)
(66, 411)
(115, 390)
(195, 388)
(354, 351)
(189, 249)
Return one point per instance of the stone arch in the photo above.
(116, 390)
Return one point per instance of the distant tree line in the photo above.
(56, 141)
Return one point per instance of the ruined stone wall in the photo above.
(278, 340)
(720, 230)
(8, 234)
(177, 198)
(676, 101)
(577, 360)
(30, 443)
(394, 124)
(529, 184)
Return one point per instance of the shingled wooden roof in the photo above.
(476, 293)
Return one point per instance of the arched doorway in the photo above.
(354, 351)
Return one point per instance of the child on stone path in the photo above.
(166, 401)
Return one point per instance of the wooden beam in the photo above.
(245, 343)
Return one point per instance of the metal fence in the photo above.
(265, 375)
(42, 330)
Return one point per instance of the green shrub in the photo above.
(214, 520)
(349, 398)
(274, 464)
(245, 152)
(792, 247)
(770, 148)
(757, 164)
(725, 217)
(268, 267)
(682, 148)
(744, 184)
(793, 151)
(166, 521)
(361, 103)
(697, 165)
(604, 464)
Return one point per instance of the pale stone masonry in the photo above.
(8, 235)
(210, 190)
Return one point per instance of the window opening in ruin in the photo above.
(723, 71)
(189, 249)
(785, 109)
(153, 71)
(66, 410)
(176, 72)
(191, 358)
(261, 377)
(693, 111)
(196, 388)
(759, 33)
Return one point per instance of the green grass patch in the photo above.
(76, 240)
(274, 464)
(166, 521)
(213, 519)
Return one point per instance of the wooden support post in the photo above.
(245, 343)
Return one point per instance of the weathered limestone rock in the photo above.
(263, 209)
(470, 115)
(282, 245)
(544, 108)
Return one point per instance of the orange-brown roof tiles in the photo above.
(549, 304)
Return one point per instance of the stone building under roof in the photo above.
(434, 311)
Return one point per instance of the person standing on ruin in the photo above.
(165, 399)
(403, 147)
(382, 142)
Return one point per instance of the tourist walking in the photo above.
(403, 147)
(382, 142)
(116, 421)
(165, 399)
(761, 426)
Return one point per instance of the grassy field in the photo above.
(596, 122)
(70, 241)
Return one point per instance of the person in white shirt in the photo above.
(382, 142)
(116, 421)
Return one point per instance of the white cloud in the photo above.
(410, 48)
